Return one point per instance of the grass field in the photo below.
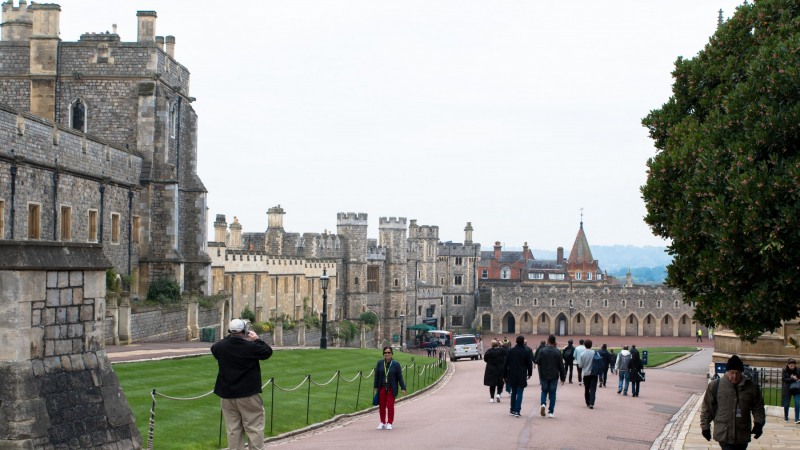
(660, 355)
(195, 423)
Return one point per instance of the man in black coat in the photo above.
(517, 371)
(569, 358)
(239, 384)
(551, 369)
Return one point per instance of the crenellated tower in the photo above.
(392, 234)
(352, 288)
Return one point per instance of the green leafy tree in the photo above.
(723, 185)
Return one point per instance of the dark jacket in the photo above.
(569, 353)
(518, 366)
(786, 377)
(395, 376)
(494, 359)
(636, 367)
(239, 366)
(551, 364)
(727, 427)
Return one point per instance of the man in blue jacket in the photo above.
(239, 384)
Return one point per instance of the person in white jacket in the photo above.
(623, 369)
(578, 350)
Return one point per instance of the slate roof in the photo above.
(581, 253)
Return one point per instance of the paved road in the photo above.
(457, 414)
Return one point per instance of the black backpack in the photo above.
(568, 352)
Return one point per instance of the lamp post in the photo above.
(323, 281)
(402, 330)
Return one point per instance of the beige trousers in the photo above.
(244, 415)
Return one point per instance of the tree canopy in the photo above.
(723, 185)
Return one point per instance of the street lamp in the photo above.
(323, 281)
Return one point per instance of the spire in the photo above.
(581, 253)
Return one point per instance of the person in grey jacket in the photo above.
(729, 402)
(551, 368)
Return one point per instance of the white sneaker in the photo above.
(498, 398)
(541, 410)
(491, 400)
(388, 426)
(550, 415)
(381, 426)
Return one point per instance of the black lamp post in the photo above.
(323, 281)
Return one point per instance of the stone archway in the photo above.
(649, 328)
(632, 325)
(543, 324)
(614, 325)
(596, 325)
(526, 324)
(667, 325)
(486, 323)
(579, 325)
(685, 326)
(509, 323)
(561, 325)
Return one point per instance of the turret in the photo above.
(17, 22)
(44, 58)
(236, 235)
(468, 234)
(220, 228)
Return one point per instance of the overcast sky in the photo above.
(512, 115)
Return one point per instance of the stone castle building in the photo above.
(99, 145)
(406, 276)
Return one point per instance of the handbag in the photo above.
(641, 377)
(794, 388)
(375, 399)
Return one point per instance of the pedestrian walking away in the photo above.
(729, 402)
(699, 335)
(578, 350)
(517, 370)
(609, 364)
(493, 374)
(551, 369)
(586, 364)
(636, 368)
(238, 384)
(789, 376)
(388, 375)
(622, 367)
(569, 357)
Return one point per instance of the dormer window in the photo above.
(505, 272)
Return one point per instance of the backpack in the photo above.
(624, 362)
(598, 364)
(568, 352)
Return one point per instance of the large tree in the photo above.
(723, 185)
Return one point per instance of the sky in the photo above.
(521, 117)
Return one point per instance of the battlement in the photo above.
(424, 232)
(351, 218)
(17, 21)
(395, 223)
(100, 37)
(19, 13)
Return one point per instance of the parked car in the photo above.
(466, 346)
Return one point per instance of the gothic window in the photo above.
(173, 119)
(457, 280)
(544, 318)
(484, 274)
(373, 276)
(505, 272)
(77, 115)
(666, 320)
(518, 301)
(648, 319)
(683, 320)
(114, 228)
(34, 221)
(596, 319)
(456, 299)
(641, 303)
(614, 319)
(630, 319)
(459, 261)
(579, 318)
(535, 302)
(66, 222)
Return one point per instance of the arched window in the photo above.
(505, 272)
(77, 115)
(173, 119)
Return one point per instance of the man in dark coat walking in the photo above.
(494, 358)
(517, 371)
(551, 368)
(569, 358)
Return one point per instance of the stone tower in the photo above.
(352, 289)
(275, 231)
(392, 235)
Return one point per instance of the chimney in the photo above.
(497, 248)
(275, 217)
(525, 252)
(170, 40)
(147, 26)
(220, 228)
(236, 235)
(17, 22)
(160, 42)
(468, 234)
(560, 255)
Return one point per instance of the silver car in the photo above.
(466, 346)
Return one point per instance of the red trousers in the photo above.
(386, 403)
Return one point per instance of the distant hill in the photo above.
(648, 265)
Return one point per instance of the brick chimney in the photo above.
(560, 255)
(497, 250)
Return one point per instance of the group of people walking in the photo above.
(512, 367)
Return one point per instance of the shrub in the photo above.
(248, 314)
(262, 327)
(369, 318)
(346, 331)
(164, 291)
(111, 281)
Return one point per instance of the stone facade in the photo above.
(101, 128)
(58, 389)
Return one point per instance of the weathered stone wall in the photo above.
(58, 388)
(159, 324)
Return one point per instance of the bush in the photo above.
(262, 327)
(248, 314)
(346, 331)
(111, 281)
(313, 321)
(164, 291)
(369, 318)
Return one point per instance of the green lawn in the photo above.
(195, 424)
(660, 355)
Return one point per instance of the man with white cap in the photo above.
(239, 384)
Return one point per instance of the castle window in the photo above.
(457, 321)
(641, 303)
(173, 119)
(505, 272)
(596, 319)
(419, 310)
(535, 302)
(605, 303)
(614, 319)
(459, 261)
(683, 320)
(552, 302)
(396, 282)
(484, 274)
(92, 236)
(658, 304)
(648, 319)
(2, 219)
(77, 115)
(666, 320)
(518, 301)
(578, 319)
(577, 276)
(114, 228)
(135, 230)
(544, 318)
(457, 280)
(676, 302)
(535, 276)
(355, 281)
(373, 275)
(34, 221)
(623, 303)
(456, 299)
(66, 222)
(588, 303)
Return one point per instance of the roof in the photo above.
(581, 253)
